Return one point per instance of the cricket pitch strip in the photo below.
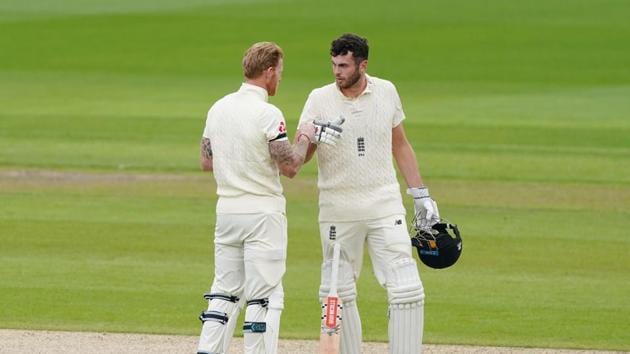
(28, 341)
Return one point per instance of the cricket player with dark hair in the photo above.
(359, 196)
(245, 145)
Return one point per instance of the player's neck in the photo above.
(259, 81)
(357, 89)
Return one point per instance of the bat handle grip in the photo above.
(335, 267)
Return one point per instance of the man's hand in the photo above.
(425, 208)
(328, 133)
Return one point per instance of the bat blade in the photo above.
(332, 309)
(331, 325)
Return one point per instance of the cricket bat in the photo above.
(331, 311)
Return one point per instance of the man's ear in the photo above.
(363, 66)
(269, 72)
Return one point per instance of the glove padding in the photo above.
(425, 209)
(328, 133)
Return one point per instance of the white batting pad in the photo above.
(346, 287)
(276, 305)
(406, 322)
(351, 331)
(254, 342)
(216, 336)
(403, 282)
(265, 342)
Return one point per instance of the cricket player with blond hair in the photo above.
(245, 145)
(360, 200)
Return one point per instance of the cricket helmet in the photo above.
(439, 246)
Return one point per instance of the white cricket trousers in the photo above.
(250, 252)
(249, 263)
(387, 239)
(389, 247)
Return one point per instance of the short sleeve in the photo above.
(206, 130)
(274, 126)
(399, 114)
(309, 113)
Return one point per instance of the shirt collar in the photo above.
(368, 88)
(370, 85)
(257, 90)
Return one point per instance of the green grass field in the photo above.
(519, 114)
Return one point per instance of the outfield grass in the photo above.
(519, 114)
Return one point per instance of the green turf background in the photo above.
(519, 114)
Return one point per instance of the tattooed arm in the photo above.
(205, 161)
(289, 157)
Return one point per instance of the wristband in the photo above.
(418, 192)
(302, 134)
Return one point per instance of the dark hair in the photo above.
(350, 42)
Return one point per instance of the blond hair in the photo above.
(259, 57)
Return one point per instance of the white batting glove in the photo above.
(425, 208)
(328, 133)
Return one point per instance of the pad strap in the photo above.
(254, 327)
(215, 316)
(223, 297)
(262, 302)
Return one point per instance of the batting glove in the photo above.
(328, 133)
(425, 208)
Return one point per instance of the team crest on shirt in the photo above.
(282, 128)
(361, 146)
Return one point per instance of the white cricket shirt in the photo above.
(357, 179)
(240, 127)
